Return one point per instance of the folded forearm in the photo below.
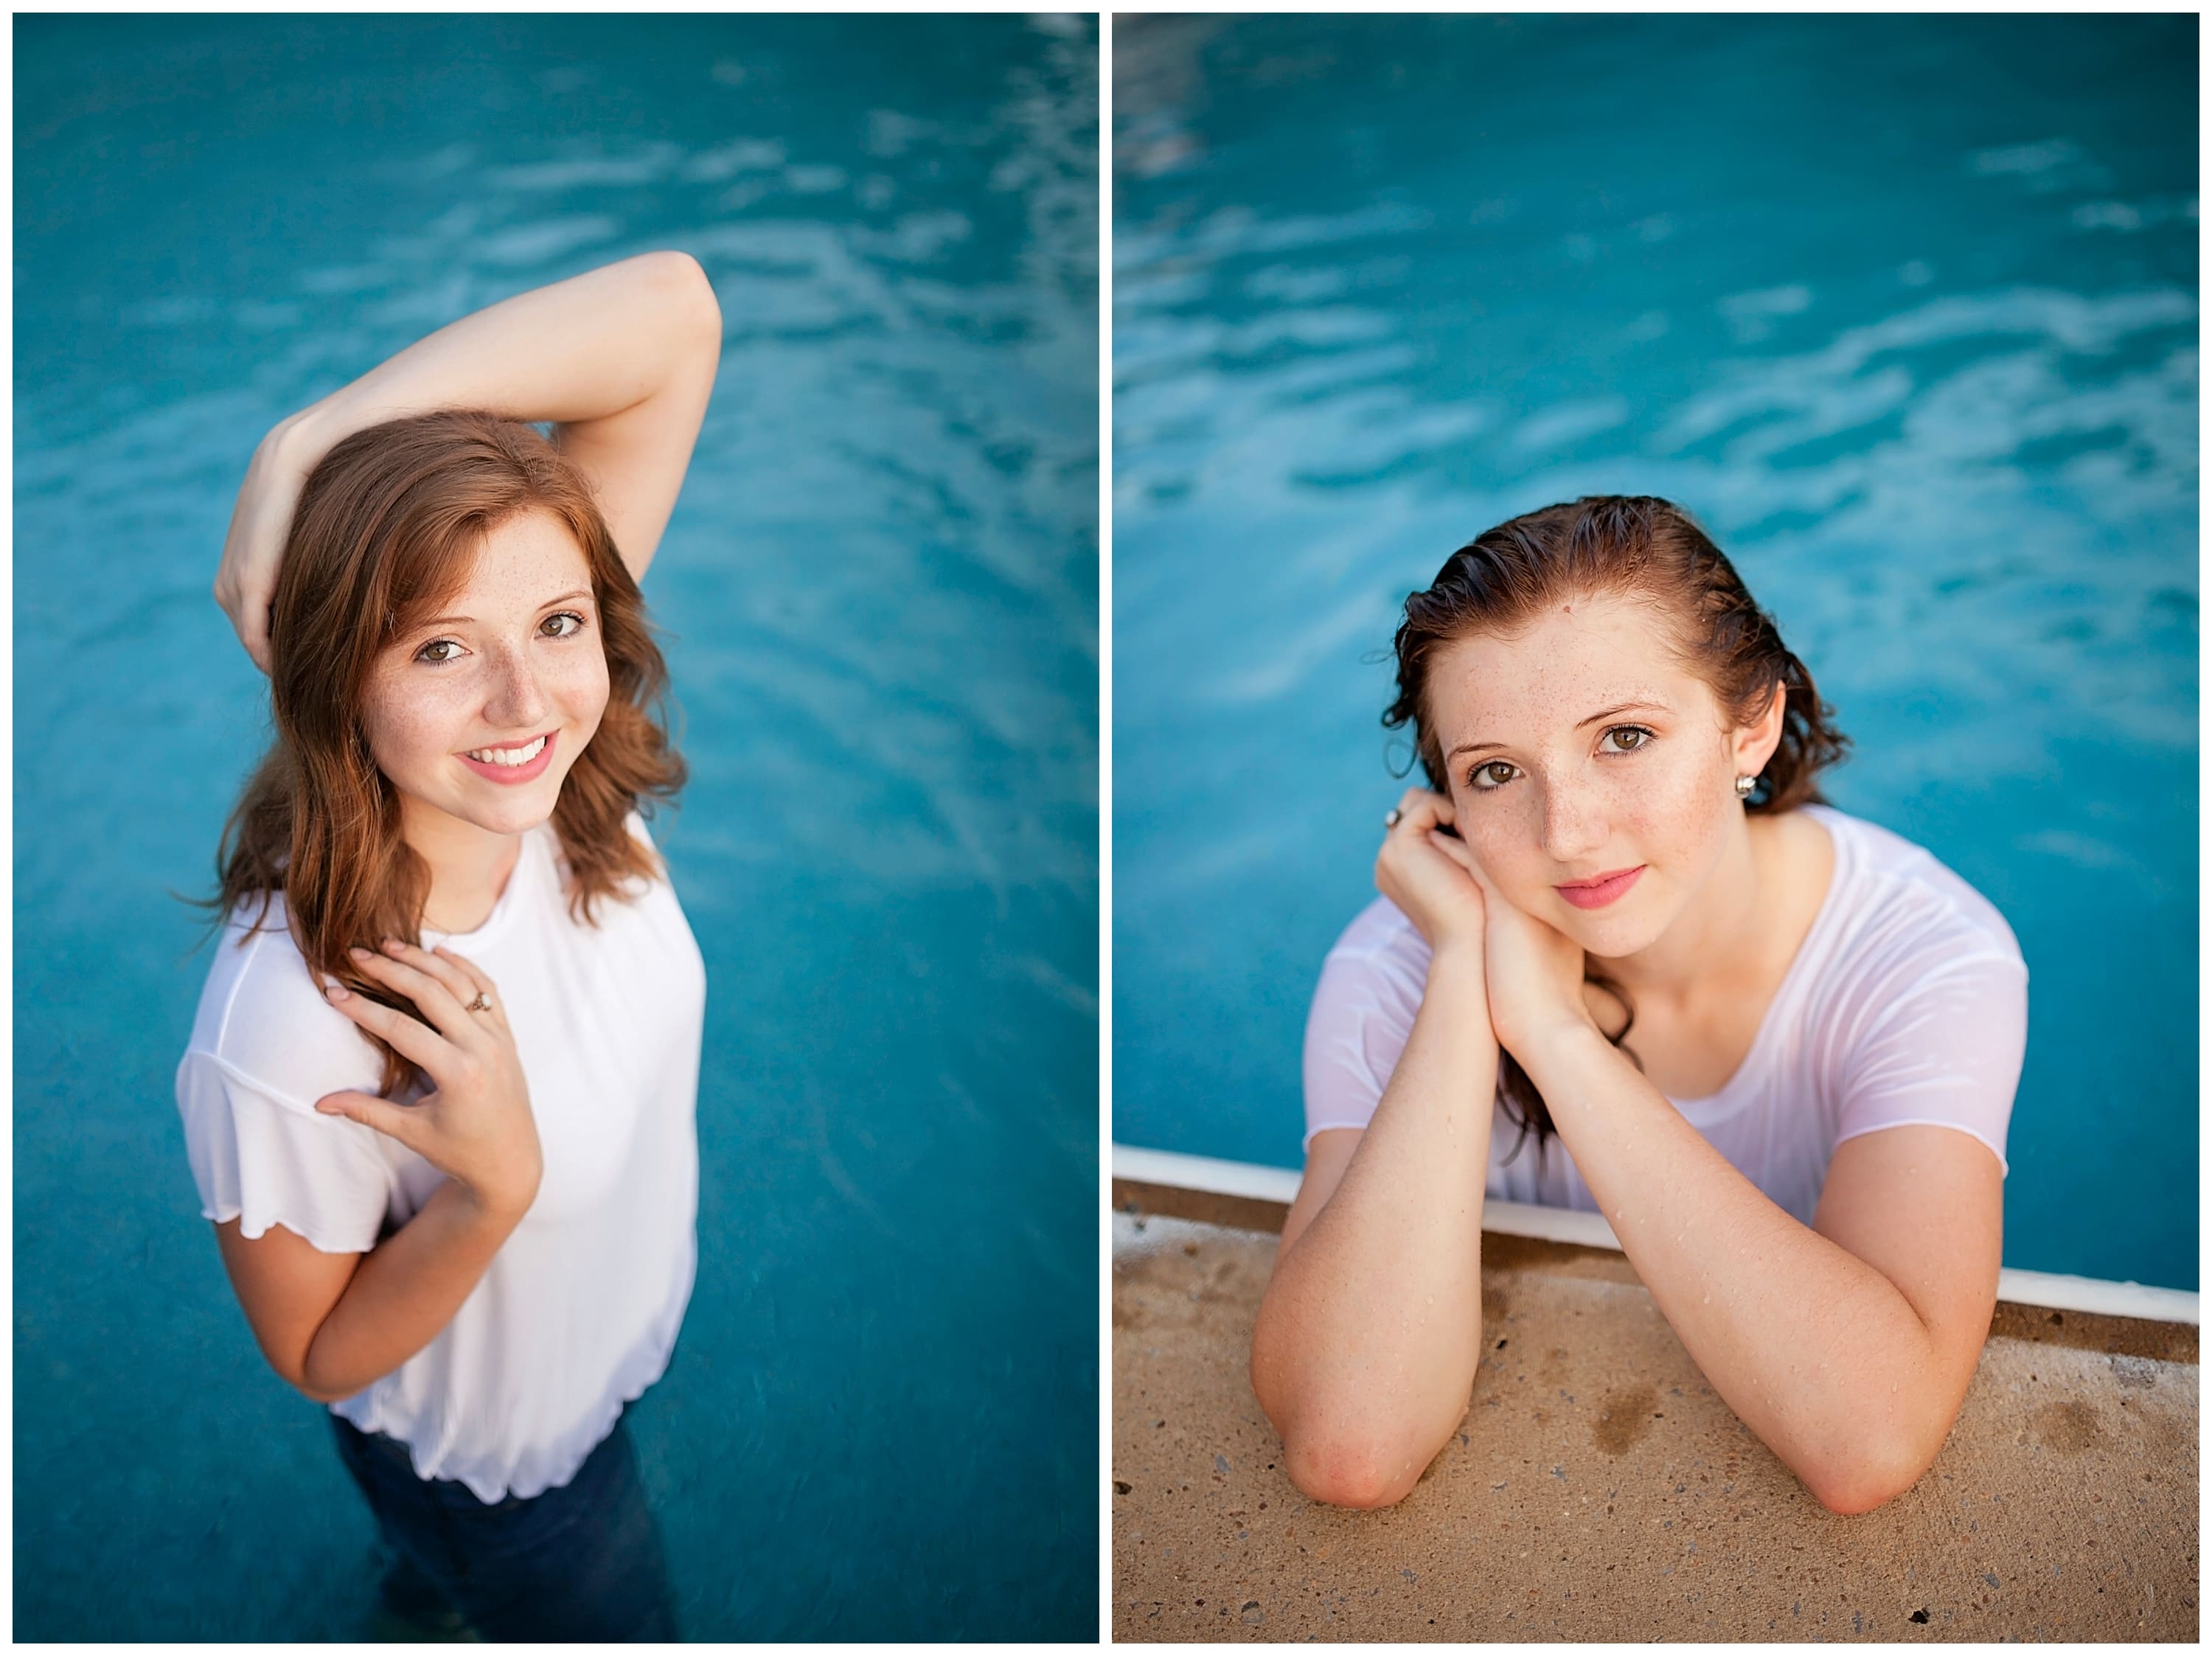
(1371, 1326)
(404, 1292)
(1815, 1349)
(578, 350)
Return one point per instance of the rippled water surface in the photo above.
(1904, 309)
(881, 584)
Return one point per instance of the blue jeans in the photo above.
(580, 1562)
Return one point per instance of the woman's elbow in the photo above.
(294, 1367)
(1865, 1478)
(690, 293)
(1345, 1472)
(303, 1377)
(1336, 1450)
(316, 1392)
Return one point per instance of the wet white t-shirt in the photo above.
(1906, 1005)
(578, 1311)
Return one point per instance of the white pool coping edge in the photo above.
(1245, 1179)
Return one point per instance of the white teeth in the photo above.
(509, 757)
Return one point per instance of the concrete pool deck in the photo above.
(1599, 1489)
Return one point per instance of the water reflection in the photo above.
(1929, 375)
(880, 593)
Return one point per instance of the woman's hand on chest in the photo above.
(478, 1127)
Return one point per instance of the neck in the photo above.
(469, 866)
(1718, 936)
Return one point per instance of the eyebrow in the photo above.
(470, 621)
(1604, 712)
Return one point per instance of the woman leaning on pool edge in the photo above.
(440, 1090)
(1842, 1019)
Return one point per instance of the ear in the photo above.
(1754, 743)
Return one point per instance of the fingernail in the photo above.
(338, 992)
(359, 953)
(394, 944)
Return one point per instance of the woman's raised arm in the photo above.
(621, 360)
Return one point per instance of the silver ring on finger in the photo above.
(1394, 817)
(480, 1003)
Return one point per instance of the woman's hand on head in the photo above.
(1533, 971)
(246, 581)
(477, 1128)
(1415, 870)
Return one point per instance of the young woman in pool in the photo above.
(1774, 1045)
(440, 1093)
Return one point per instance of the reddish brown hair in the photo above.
(1634, 546)
(387, 528)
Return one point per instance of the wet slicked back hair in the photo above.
(1631, 546)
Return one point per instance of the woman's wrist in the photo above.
(497, 1205)
(1456, 983)
(297, 443)
(1455, 967)
(1556, 1052)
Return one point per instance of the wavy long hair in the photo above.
(1618, 545)
(387, 530)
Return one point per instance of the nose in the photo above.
(1574, 819)
(516, 701)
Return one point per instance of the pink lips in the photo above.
(529, 773)
(1605, 888)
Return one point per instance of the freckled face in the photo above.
(478, 712)
(1579, 747)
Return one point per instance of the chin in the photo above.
(1629, 927)
(519, 815)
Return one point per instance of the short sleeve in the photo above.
(1362, 1015)
(269, 1160)
(1945, 1052)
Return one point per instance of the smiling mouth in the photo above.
(520, 754)
(1604, 888)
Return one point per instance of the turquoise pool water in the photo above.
(881, 583)
(1904, 309)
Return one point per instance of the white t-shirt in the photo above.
(578, 1311)
(1906, 1004)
